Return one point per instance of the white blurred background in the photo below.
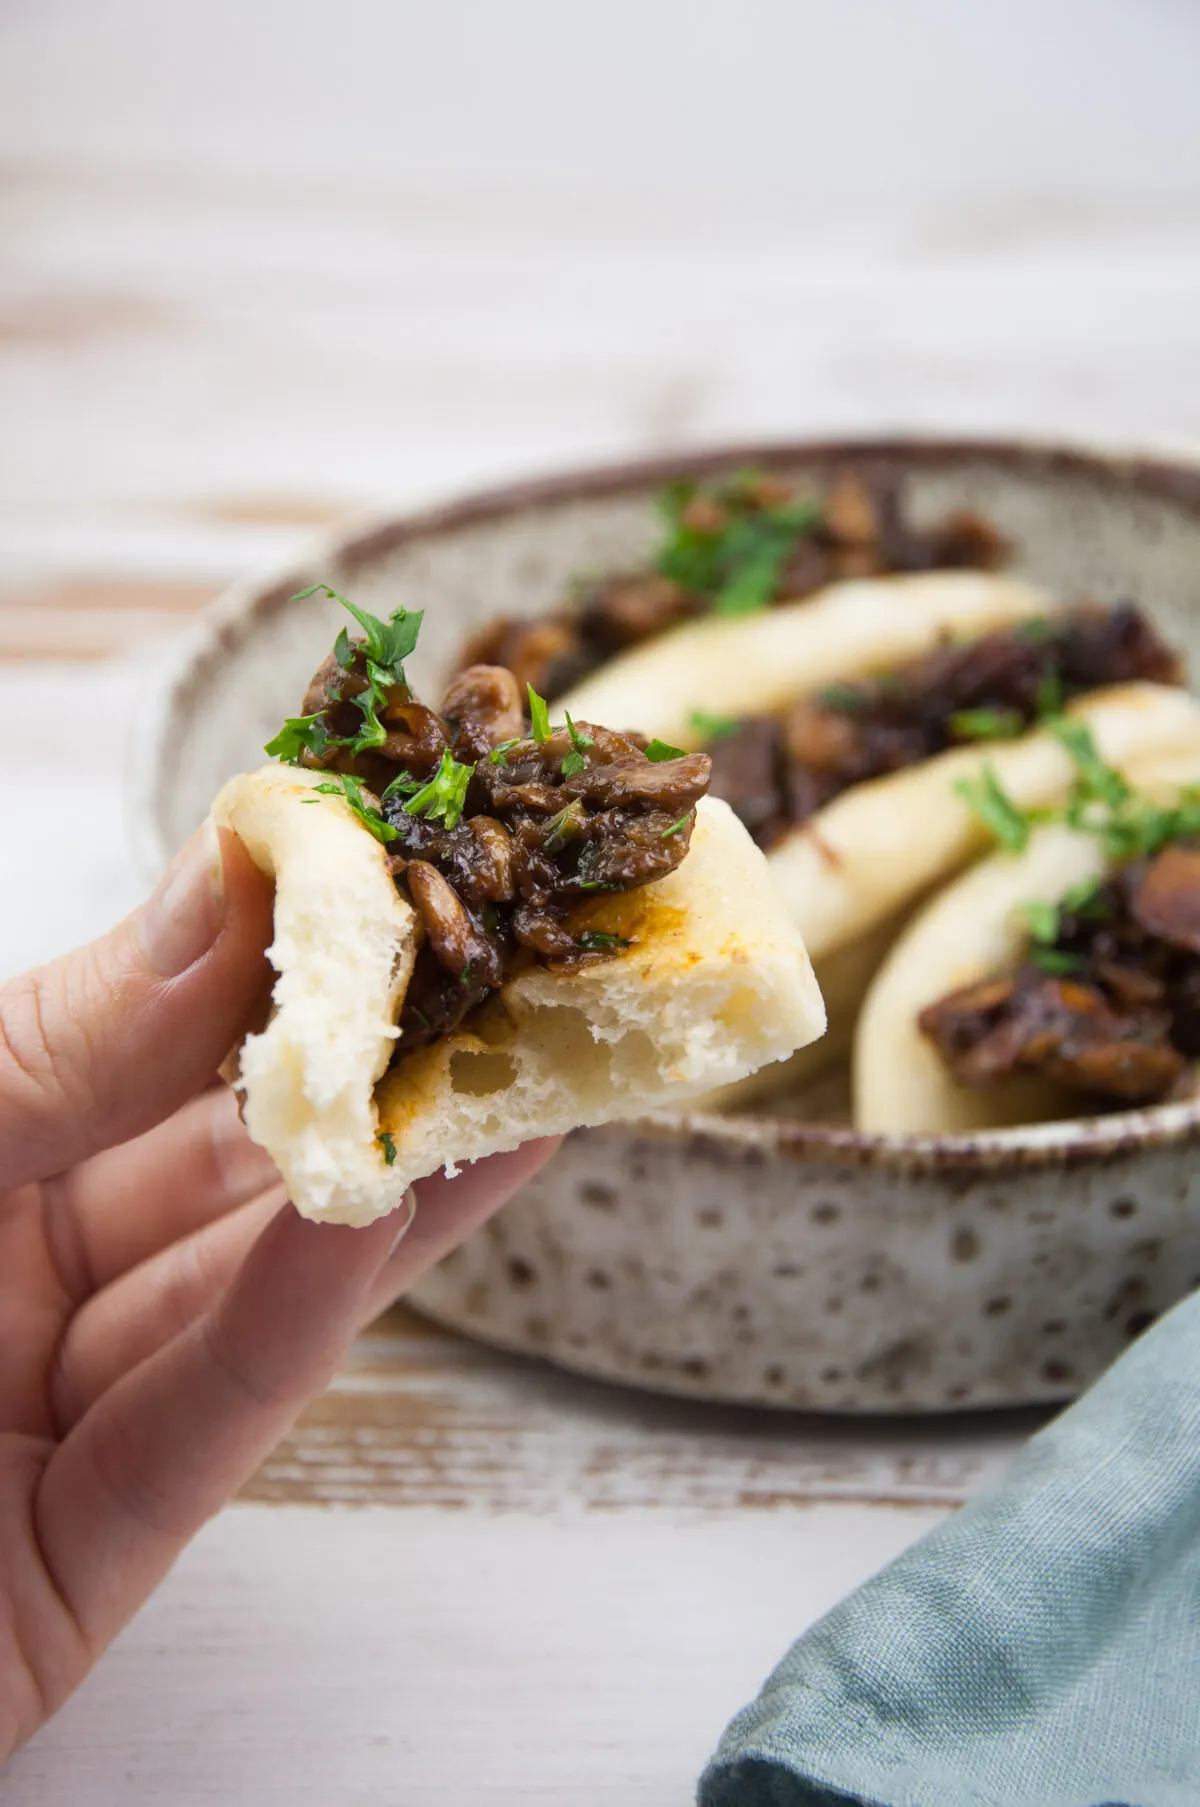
(264, 263)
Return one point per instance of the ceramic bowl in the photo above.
(783, 1261)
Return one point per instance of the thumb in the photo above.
(101, 1045)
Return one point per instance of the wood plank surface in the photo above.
(420, 1417)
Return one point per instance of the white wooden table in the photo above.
(266, 265)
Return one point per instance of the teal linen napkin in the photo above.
(1039, 1649)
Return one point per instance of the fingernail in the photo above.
(183, 918)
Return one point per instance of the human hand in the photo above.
(164, 1312)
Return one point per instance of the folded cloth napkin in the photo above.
(1039, 1649)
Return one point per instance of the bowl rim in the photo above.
(223, 624)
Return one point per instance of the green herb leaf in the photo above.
(847, 699)
(661, 750)
(388, 642)
(387, 1142)
(351, 791)
(579, 738)
(342, 650)
(712, 727)
(1049, 695)
(738, 559)
(1085, 899)
(1098, 782)
(402, 785)
(575, 760)
(597, 941)
(1041, 919)
(539, 715)
(560, 828)
(372, 733)
(676, 827)
(986, 797)
(497, 754)
(1053, 960)
(445, 794)
(986, 724)
(299, 734)
(1037, 630)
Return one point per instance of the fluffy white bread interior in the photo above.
(716, 982)
(344, 944)
(971, 931)
(755, 663)
(879, 846)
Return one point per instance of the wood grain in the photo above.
(423, 1418)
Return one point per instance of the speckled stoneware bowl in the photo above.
(787, 1262)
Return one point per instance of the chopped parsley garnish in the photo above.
(712, 727)
(387, 645)
(1041, 919)
(986, 724)
(575, 761)
(351, 791)
(559, 829)
(1085, 899)
(539, 715)
(372, 733)
(1049, 695)
(989, 800)
(1054, 960)
(1096, 782)
(1037, 630)
(847, 699)
(1100, 802)
(724, 544)
(444, 795)
(299, 734)
(660, 750)
(597, 941)
(676, 827)
(388, 642)
(497, 754)
(387, 1142)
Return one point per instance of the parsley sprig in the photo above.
(1101, 802)
(575, 760)
(599, 941)
(351, 791)
(712, 727)
(299, 734)
(989, 800)
(723, 542)
(387, 645)
(442, 798)
(987, 724)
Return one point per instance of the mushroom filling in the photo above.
(497, 827)
(745, 542)
(777, 770)
(1107, 1004)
